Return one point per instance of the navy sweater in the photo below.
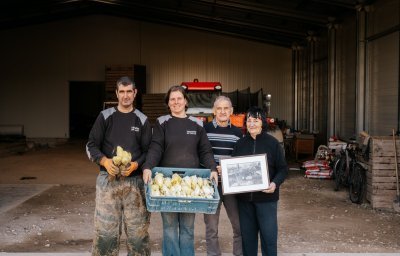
(222, 139)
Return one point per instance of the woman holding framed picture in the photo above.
(258, 210)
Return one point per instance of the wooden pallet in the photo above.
(154, 106)
(381, 176)
(113, 73)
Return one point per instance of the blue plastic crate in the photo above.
(182, 204)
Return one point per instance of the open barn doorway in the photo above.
(85, 103)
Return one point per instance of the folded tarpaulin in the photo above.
(325, 173)
(315, 163)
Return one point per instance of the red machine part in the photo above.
(202, 86)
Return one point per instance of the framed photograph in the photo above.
(244, 174)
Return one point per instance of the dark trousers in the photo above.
(259, 218)
(212, 222)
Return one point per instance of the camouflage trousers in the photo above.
(120, 204)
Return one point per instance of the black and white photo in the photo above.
(243, 174)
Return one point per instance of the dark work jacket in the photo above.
(112, 128)
(277, 166)
(179, 142)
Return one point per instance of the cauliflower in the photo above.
(176, 179)
(121, 160)
(126, 158)
(187, 180)
(159, 179)
(155, 190)
(200, 181)
(176, 186)
(167, 181)
(194, 181)
(165, 190)
(186, 189)
(208, 191)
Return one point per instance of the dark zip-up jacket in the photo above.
(112, 128)
(277, 166)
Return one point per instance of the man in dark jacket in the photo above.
(120, 191)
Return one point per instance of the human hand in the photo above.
(214, 176)
(146, 175)
(271, 188)
(109, 165)
(219, 170)
(129, 169)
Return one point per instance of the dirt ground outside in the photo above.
(47, 205)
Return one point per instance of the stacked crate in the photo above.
(113, 73)
(381, 174)
(154, 106)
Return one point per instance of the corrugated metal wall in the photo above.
(346, 53)
(78, 49)
(363, 75)
(311, 87)
(237, 64)
(320, 104)
(383, 67)
(302, 88)
(367, 71)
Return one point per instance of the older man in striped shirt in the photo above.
(223, 136)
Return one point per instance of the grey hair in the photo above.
(222, 98)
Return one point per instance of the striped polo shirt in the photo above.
(222, 139)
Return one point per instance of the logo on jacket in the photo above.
(191, 132)
(134, 129)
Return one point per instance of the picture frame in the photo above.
(244, 174)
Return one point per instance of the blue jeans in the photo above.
(178, 234)
(259, 217)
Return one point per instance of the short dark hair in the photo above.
(257, 112)
(125, 80)
(176, 88)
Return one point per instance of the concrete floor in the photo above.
(204, 254)
(37, 174)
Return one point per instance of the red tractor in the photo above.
(201, 97)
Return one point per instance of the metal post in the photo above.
(332, 85)
(361, 69)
